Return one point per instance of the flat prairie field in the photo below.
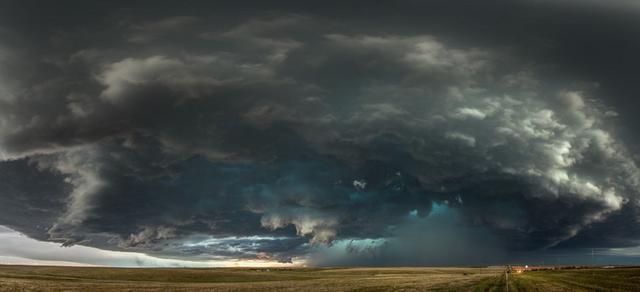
(44, 278)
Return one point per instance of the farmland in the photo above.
(620, 279)
(43, 278)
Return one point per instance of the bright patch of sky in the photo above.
(19, 249)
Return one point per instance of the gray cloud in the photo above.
(297, 131)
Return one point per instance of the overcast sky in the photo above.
(188, 133)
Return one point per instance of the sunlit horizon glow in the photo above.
(18, 249)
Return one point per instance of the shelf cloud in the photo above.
(296, 133)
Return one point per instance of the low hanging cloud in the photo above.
(309, 134)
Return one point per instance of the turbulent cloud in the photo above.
(283, 135)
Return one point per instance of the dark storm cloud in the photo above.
(31, 198)
(185, 132)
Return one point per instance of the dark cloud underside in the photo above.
(218, 131)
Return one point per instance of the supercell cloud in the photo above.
(289, 133)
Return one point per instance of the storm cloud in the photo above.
(285, 133)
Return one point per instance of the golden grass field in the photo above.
(39, 278)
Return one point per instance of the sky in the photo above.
(319, 133)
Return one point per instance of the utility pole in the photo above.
(506, 277)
